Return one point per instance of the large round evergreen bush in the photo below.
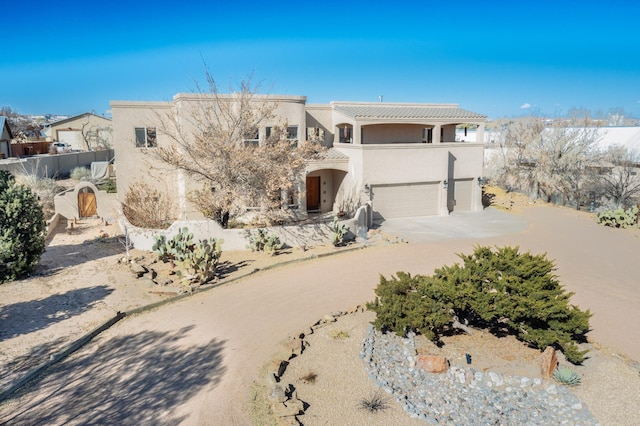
(22, 229)
(504, 291)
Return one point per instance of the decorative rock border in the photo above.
(463, 395)
(460, 395)
(285, 404)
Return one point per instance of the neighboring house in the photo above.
(403, 158)
(85, 132)
(5, 138)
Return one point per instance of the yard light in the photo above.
(445, 184)
(366, 188)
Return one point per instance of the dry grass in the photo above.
(310, 377)
(337, 334)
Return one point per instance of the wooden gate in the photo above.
(87, 203)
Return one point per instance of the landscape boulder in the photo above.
(433, 363)
(549, 362)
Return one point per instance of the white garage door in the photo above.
(462, 195)
(418, 199)
(71, 137)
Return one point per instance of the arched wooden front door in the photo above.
(86, 202)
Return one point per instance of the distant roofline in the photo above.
(272, 98)
(75, 117)
(396, 104)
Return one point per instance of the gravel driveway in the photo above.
(193, 362)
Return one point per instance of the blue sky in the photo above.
(496, 58)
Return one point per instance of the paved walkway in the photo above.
(193, 362)
(457, 226)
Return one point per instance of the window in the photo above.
(146, 137)
(427, 135)
(252, 139)
(292, 133)
(315, 134)
(346, 134)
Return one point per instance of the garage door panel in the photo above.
(419, 199)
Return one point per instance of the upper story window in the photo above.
(146, 137)
(315, 134)
(252, 139)
(291, 134)
(427, 135)
(346, 134)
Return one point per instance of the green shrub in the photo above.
(80, 173)
(504, 290)
(261, 240)
(338, 232)
(109, 186)
(22, 229)
(198, 259)
(619, 218)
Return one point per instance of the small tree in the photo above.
(22, 229)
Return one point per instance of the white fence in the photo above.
(57, 165)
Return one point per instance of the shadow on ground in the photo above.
(57, 258)
(133, 379)
(26, 317)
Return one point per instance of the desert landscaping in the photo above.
(203, 359)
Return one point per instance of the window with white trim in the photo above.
(252, 141)
(146, 137)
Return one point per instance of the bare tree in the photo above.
(223, 145)
(21, 125)
(621, 180)
(547, 158)
(569, 147)
(95, 136)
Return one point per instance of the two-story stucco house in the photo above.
(402, 158)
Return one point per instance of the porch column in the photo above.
(437, 129)
(480, 134)
(356, 132)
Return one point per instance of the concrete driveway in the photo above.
(487, 223)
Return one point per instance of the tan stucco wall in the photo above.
(392, 133)
(321, 116)
(135, 164)
(139, 164)
(402, 163)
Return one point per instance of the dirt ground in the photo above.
(224, 336)
(80, 283)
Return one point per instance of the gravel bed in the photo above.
(464, 396)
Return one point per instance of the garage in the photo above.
(73, 138)
(463, 190)
(405, 200)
